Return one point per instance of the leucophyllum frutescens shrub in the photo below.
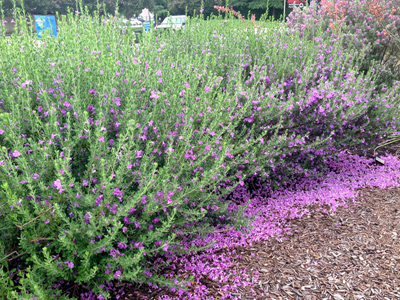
(368, 25)
(314, 88)
(112, 152)
(109, 152)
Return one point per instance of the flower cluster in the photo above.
(231, 10)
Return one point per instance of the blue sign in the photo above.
(147, 26)
(45, 22)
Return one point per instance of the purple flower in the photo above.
(23, 181)
(87, 217)
(207, 89)
(1, 131)
(114, 209)
(57, 184)
(26, 83)
(16, 153)
(101, 139)
(47, 221)
(159, 73)
(70, 264)
(117, 274)
(35, 176)
(117, 192)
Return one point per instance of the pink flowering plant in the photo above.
(230, 11)
(370, 26)
(114, 156)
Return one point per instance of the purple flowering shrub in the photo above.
(370, 26)
(321, 105)
(112, 154)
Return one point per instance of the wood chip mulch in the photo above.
(351, 254)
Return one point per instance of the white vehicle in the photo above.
(174, 22)
(135, 22)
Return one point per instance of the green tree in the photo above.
(257, 6)
(161, 8)
(31, 6)
(192, 6)
(264, 4)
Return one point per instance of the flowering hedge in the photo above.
(370, 26)
(113, 153)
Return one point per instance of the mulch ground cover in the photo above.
(351, 254)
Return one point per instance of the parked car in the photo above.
(135, 22)
(172, 22)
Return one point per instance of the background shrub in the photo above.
(370, 26)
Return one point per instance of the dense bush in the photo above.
(113, 152)
(370, 26)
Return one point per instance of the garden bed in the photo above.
(351, 254)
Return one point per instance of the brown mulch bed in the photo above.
(351, 254)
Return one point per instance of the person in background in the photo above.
(159, 21)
